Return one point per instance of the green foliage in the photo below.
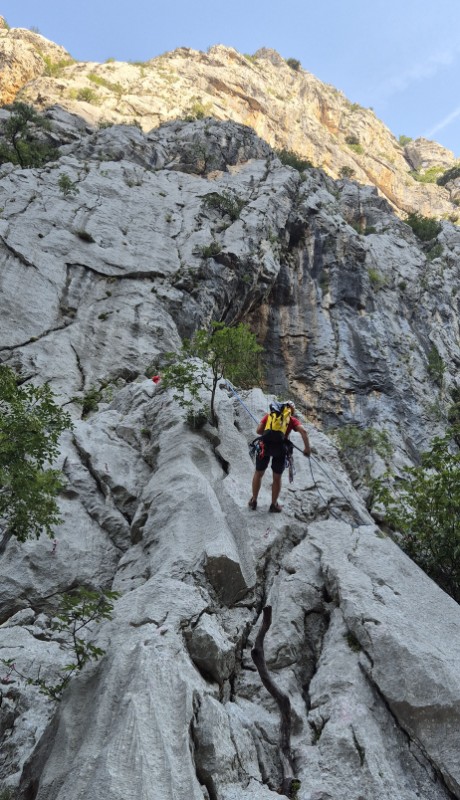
(198, 110)
(90, 400)
(353, 642)
(425, 510)
(449, 175)
(78, 610)
(225, 203)
(403, 140)
(430, 175)
(100, 81)
(226, 352)
(376, 279)
(22, 137)
(436, 366)
(211, 250)
(358, 447)
(354, 145)
(54, 69)
(425, 228)
(30, 426)
(67, 186)
(294, 64)
(291, 159)
(87, 95)
(435, 252)
(347, 172)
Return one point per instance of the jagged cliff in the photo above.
(287, 107)
(97, 283)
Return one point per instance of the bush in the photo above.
(24, 134)
(291, 159)
(294, 64)
(66, 185)
(403, 140)
(54, 69)
(30, 426)
(425, 228)
(211, 250)
(226, 352)
(100, 81)
(430, 175)
(354, 144)
(87, 95)
(449, 175)
(347, 172)
(358, 446)
(425, 510)
(225, 203)
(436, 367)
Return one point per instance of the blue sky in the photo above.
(400, 57)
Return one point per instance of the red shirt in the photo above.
(293, 423)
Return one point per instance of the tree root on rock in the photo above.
(290, 785)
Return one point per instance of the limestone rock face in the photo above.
(159, 234)
(22, 59)
(423, 154)
(288, 107)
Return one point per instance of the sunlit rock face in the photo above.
(286, 105)
(162, 233)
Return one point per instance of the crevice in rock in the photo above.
(359, 747)
(37, 338)
(20, 256)
(135, 274)
(410, 742)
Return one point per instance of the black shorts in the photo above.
(275, 452)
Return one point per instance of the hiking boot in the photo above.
(252, 504)
(275, 508)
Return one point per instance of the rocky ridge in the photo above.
(288, 107)
(97, 284)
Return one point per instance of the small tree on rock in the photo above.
(30, 426)
(23, 137)
(210, 355)
(425, 509)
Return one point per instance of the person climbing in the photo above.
(274, 429)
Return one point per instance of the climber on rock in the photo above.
(274, 429)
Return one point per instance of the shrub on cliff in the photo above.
(424, 507)
(30, 426)
(23, 137)
(425, 228)
(225, 352)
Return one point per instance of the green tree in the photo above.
(425, 509)
(425, 228)
(30, 426)
(24, 140)
(210, 355)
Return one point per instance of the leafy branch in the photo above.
(79, 610)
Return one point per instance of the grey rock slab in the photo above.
(124, 731)
(408, 627)
(210, 649)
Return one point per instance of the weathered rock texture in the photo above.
(289, 108)
(96, 285)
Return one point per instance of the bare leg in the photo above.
(256, 483)
(276, 488)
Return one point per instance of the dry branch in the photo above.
(284, 704)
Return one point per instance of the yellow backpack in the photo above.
(278, 421)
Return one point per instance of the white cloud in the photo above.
(443, 123)
(418, 72)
